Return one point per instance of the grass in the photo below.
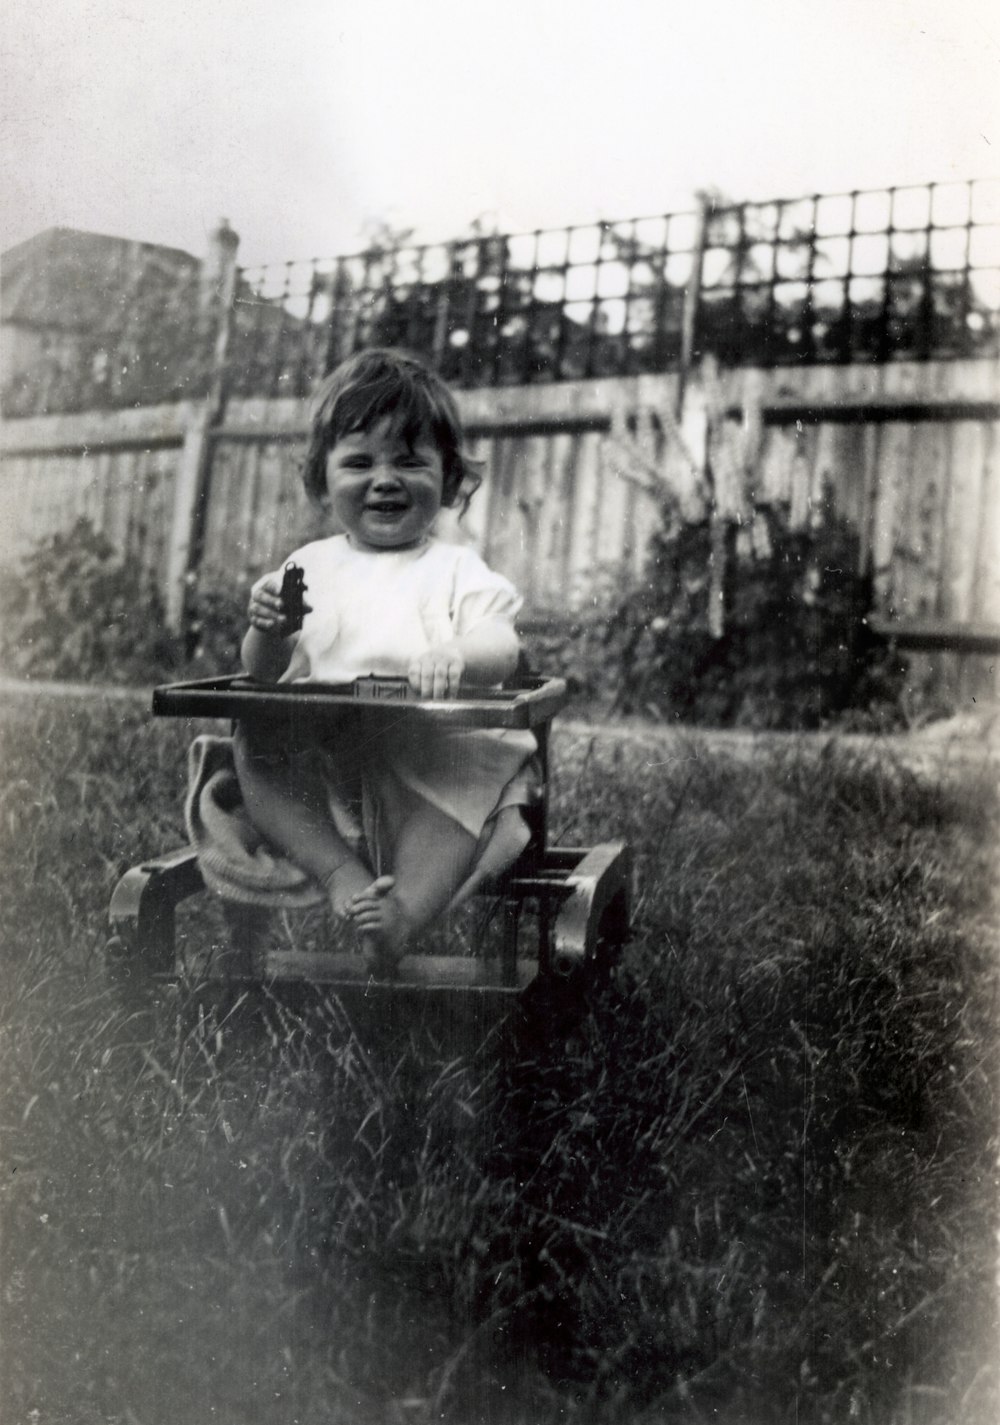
(756, 1184)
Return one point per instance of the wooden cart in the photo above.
(580, 895)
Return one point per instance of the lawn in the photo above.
(757, 1184)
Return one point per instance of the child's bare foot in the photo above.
(343, 886)
(382, 924)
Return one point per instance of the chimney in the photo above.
(218, 265)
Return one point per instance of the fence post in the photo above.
(692, 301)
(215, 302)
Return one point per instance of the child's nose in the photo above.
(385, 476)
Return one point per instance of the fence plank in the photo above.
(471, 526)
(267, 543)
(962, 519)
(800, 477)
(612, 514)
(567, 452)
(535, 513)
(504, 535)
(921, 546)
(136, 499)
(583, 550)
(986, 577)
(768, 480)
(896, 476)
(551, 528)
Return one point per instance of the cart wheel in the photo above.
(134, 990)
(612, 936)
(118, 962)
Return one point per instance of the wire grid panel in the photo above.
(875, 275)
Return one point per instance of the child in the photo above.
(439, 808)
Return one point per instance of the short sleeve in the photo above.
(480, 595)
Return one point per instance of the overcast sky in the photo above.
(300, 120)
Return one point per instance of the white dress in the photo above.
(373, 613)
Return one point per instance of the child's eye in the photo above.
(355, 462)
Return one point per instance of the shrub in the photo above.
(75, 610)
(215, 629)
(785, 647)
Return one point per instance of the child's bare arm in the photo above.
(488, 653)
(267, 645)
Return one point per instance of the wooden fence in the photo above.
(573, 473)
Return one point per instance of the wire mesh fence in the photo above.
(877, 275)
(868, 276)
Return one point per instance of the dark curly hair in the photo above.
(380, 383)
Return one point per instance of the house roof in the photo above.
(64, 278)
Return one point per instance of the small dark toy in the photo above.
(293, 588)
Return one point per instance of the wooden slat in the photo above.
(497, 530)
(986, 575)
(137, 499)
(847, 456)
(161, 503)
(824, 464)
(962, 520)
(549, 524)
(570, 502)
(892, 445)
(800, 477)
(427, 972)
(560, 499)
(630, 531)
(583, 545)
(533, 513)
(647, 521)
(870, 449)
(827, 410)
(774, 477)
(264, 552)
(612, 513)
(508, 520)
(938, 635)
(920, 549)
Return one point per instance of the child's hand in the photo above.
(267, 611)
(438, 672)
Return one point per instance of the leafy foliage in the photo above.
(77, 611)
(785, 647)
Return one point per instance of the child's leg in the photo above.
(509, 838)
(431, 859)
(284, 800)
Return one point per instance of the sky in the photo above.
(306, 121)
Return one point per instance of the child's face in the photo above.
(385, 492)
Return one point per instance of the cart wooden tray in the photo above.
(529, 705)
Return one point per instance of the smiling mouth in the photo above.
(387, 507)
